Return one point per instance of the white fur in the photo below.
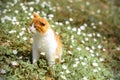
(44, 43)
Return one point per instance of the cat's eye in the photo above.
(41, 23)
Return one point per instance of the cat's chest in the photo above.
(45, 43)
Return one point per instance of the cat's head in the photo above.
(39, 24)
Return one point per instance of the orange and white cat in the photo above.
(45, 40)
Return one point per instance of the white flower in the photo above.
(85, 24)
(3, 71)
(31, 9)
(81, 57)
(25, 38)
(83, 41)
(69, 52)
(98, 35)
(24, 8)
(86, 39)
(37, 1)
(31, 3)
(50, 18)
(12, 31)
(78, 32)
(94, 27)
(98, 11)
(14, 51)
(71, 46)
(60, 23)
(67, 71)
(93, 47)
(14, 63)
(26, 12)
(100, 23)
(71, 19)
(72, 40)
(91, 51)
(77, 62)
(20, 57)
(76, 59)
(84, 34)
(95, 64)
(68, 27)
(78, 48)
(75, 65)
(16, 11)
(74, 29)
(82, 27)
(18, 36)
(6, 18)
(93, 34)
(118, 48)
(62, 60)
(29, 14)
(99, 46)
(17, 23)
(61, 72)
(21, 33)
(95, 70)
(97, 54)
(104, 49)
(50, 15)
(85, 59)
(44, 4)
(101, 59)
(72, 37)
(89, 35)
(52, 25)
(67, 22)
(87, 48)
(4, 11)
(83, 63)
(99, 68)
(23, 29)
(87, 3)
(14, 19)
(64, 66)
(21, 4)
(92, 24)
(63, 77)
(44, 14)
(95, 39)
(111, 79)
(84, 78)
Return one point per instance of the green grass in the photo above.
(89, 31)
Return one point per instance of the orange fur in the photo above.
(59, 49)
(40, 23)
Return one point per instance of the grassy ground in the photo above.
(89, 31)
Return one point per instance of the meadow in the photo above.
(89, 30)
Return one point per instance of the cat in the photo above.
(45, 40)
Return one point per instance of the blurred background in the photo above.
(89, 29)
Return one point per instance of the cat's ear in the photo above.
(35, 15)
